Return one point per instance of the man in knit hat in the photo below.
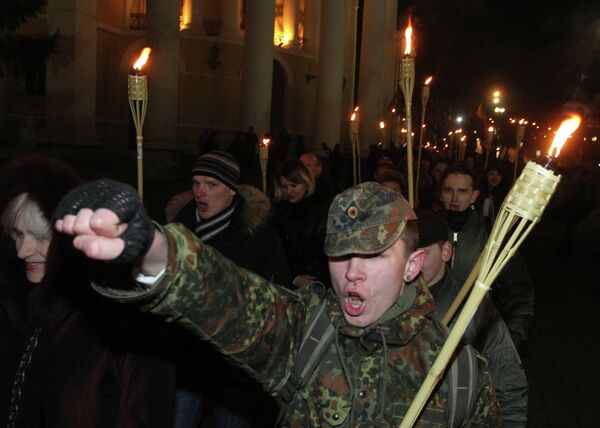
(381, 339)
(233, 219)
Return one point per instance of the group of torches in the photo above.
(521, 210)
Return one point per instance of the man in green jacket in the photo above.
(486, 332)
(384, 341)
(513, 290)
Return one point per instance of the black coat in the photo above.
(301, 227)
(249, 241)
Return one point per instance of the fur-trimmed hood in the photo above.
(257, 207)
(255, 211)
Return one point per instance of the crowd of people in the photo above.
(215, 307)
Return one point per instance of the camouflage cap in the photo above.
(365, 219)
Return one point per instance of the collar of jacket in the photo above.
(400, 324)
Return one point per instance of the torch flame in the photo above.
(567, 127)
(353, 117)
(428, 81)
(266, 141)
(408, 37)
(382, 124)
(141, 61)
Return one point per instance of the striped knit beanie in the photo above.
(219, 165)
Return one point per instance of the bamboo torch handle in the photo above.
(463, 291)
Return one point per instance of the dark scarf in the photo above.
(207, 229)
(457, 219)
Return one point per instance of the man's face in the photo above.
(312, 163)
(458, 192)
(211, 195)
(437, 171)
(493, 178)
(434, 264)
(368, 285)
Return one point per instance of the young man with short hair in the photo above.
(486, 332)
(383, 342)
(513, 290)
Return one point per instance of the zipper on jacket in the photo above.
(454, 243)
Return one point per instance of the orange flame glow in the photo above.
(141, 61)
(382, 124)
(428, 80)
(266, 141)
(353, 117)
(567, 127)
(408, 37)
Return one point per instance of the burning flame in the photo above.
(141, 61)
(353, 117)
(408, 37)
(491, 129)
(266, 141)
(382, 124)
(567, 127)
(428, 81)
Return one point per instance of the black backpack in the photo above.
(320, 333)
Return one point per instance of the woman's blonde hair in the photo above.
(295, 172)
(31, 214)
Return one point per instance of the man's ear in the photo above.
(447, 251)
(414, 265)
(474, 197)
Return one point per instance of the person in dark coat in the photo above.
(233, 219)
(513, 291)
(486, 332)
(62, 363)
(300, 219)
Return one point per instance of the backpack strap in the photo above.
(462, 384)
(317, 337)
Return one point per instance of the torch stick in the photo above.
(263, 157)
(137, 85)
(424, 100)
(520, 212)
(518, 143)
(354, 122)
(407, 83)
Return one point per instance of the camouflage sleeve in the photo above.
(486, 412)
(256, 323)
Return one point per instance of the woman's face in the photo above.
(493, 178)
(32, 250)
(292, 192)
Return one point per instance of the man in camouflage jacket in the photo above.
(384, 342)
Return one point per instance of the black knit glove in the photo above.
(121, 199)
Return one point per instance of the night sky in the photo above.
(535, 52)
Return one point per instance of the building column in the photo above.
(390, 50)
(312, 18)
(230, 17)
(291, 10)
(372, 95)
(330, 75)
(71, 71)
(350, 71)
(160, 128)
(257, 77)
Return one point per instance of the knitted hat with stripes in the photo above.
(219, 165)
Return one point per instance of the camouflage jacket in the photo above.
(366, 378)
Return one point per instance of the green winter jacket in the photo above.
(366, 378)
(513, 291)
(488, 333)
